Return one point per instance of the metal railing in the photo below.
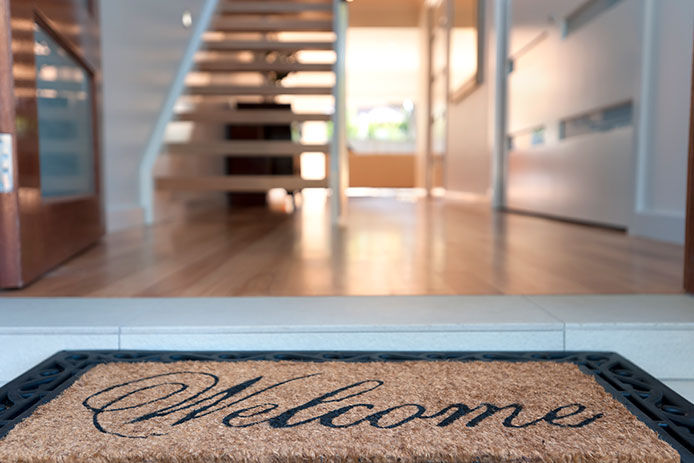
(339, 165)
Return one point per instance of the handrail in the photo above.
(156, 140)
(339, 161)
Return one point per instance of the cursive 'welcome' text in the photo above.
(158, 403)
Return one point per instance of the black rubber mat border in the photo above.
(658, 406)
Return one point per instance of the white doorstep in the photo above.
(655, 332)
(684, 388)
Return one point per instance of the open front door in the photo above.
(50, 92)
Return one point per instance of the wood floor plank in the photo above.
(387, 247)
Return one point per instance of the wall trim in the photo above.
(146, 171)
(658, 225)
(468, 197)
(122, 217)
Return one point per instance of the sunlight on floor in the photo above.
(398, 243)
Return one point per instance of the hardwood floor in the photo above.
(389, 246)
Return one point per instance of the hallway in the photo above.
(390, 246)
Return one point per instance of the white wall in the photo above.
(662, 156)
(651, 43)
(143, 43)
(586, 177)
(470, 128)
(468, 163)
(382, 65)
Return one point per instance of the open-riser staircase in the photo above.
(259, 52)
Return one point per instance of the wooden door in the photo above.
(50, 93)
(689, 220)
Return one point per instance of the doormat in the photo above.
(334, 411)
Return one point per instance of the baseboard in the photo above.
(181, 207)
(122, 217)
(467, 196)
(661, 226)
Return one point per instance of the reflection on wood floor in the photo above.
(388, 246)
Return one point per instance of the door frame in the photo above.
(10, 257)
(689, 217)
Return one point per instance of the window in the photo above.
(586, 13)
(465, 40)
(387, 128)
(601, 120)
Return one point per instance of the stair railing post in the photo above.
(339, 159)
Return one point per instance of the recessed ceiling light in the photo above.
(187, 19)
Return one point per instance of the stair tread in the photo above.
(257, 90)
(273, 7)
(232, 66)
(249, 116)
(267, 45)
(265, 148)
(246, 148)
(237, 183)
(238, 25)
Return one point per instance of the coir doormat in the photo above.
(200, 411)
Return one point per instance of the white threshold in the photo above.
(654, 331)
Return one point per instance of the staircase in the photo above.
(261, 52)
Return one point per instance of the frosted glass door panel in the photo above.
(66, 138)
